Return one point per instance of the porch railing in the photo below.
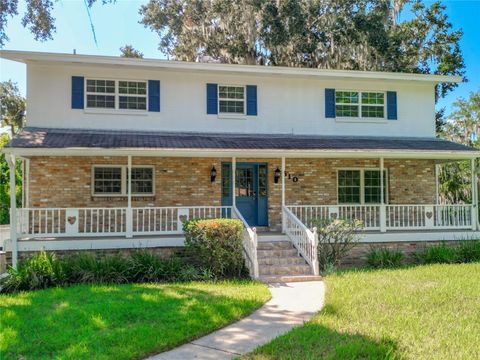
(391, 217)
(250, 242)
(96, 222)
(304, 240)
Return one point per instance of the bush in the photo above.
(384, 258)
(38, 272)
(335, 239)
(216, 245)
(468, 251)
(441, 253)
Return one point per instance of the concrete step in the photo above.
(290, 260)
(287, 279)
(274, 245)
(303, 269)
(277, 253)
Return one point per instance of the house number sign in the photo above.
(292, 177)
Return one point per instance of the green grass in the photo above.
(423, 312)
(119, 321)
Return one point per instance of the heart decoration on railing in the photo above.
(333, 216)
(183, 218)
(72, 219)
(429, 214)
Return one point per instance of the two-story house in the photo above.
(118, 152)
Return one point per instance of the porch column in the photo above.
(474, 195)
(283, 194)
(383, 209)
(13, 209)
(129, 212)
(234, 172)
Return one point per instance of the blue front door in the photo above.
(250, 189)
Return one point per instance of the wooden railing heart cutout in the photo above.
(72, 219)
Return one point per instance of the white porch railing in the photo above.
(304, 240)
(393, 217)
(250, 242)
(96, 222)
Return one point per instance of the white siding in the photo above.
(285, 105)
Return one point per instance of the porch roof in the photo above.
(31, 138)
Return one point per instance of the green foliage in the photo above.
(216, 244)
(468, 251)
(384, 257)
(441, 253)
(5, 183)
(129, 51)
(336, 237)
(45, 270)
(12, 106)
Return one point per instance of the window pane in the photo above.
(348, 186)
(346, 110)
(226, 187)
(107, 180)
(262, 180)
(230, 106)
(373, 111)
(101, 101)
(373, 98)
(244, 183)
(101, 86)
(346, 97)
(132, 87)
(372, 186)
(132, 102)
(142, 180)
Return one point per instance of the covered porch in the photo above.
(293, 180)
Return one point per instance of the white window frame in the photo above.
(124, 186)
(362, 184)
(229, 114)
(360, 118)
(117, 95)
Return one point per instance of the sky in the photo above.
(118, 24)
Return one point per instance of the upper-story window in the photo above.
(231, 99)
(360, 104)
(113, 94)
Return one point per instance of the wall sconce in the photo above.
(277, 174)
(213, 174)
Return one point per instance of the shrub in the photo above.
(216, 244)
(384, 258)
(40, 271)
(336, 238)
(440, 253)
(468, 251)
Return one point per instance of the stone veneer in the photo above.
(66, 182)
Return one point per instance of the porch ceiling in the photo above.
(42, 141)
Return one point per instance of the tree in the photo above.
(463, 127)
(5, 183)
(12, 106)
(129, 52)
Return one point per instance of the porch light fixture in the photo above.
(213, 174)
(276, 176)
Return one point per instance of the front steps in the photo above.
(278, 261)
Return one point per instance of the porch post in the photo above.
(283, 193)
(474, 195)
(129, 212)
(234, 172)
(383, 209)
(13, 209)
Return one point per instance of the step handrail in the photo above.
(250, 242)
(304, 239)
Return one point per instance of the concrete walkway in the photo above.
(291, 305)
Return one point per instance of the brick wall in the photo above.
(66, 182)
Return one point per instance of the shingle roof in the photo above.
(111, 139)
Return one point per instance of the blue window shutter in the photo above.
(212, 99)
(154, 95)
(391, 105)
(330, 103)
(78, 85)
(252, 100)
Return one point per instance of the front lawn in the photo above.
(119, 321)
(423, 312)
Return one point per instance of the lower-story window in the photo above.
(112, 180)
(361, 186)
